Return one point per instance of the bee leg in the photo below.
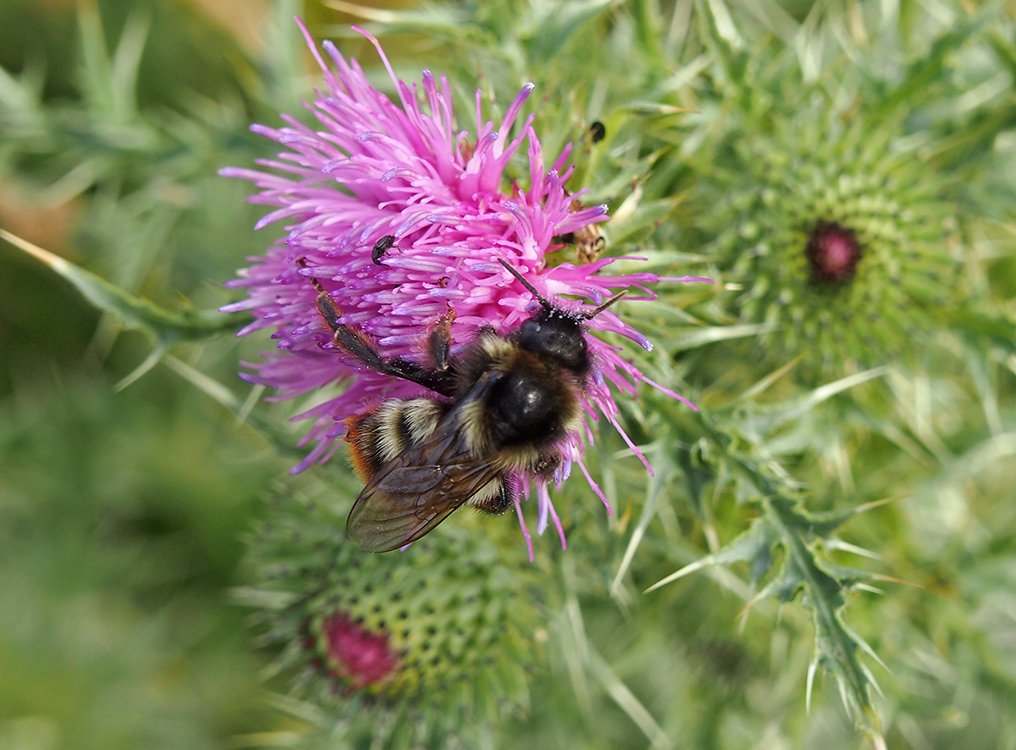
(496, 501)
(439, 341)
(591, 254)
(547, 465)
(360, 346)
(325, 304)
(357, 344)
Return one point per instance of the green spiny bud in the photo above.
(406, 624)
(837, 245)
(441, 629)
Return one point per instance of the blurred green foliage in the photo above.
(120, 529)
(128, 484)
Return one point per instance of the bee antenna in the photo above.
(604, 306)
(540, 298)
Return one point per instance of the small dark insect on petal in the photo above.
(381, 247)
(597, 131)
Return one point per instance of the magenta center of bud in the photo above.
(833, 253)
(357, 654)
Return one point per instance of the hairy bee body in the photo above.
(589, 243)
(380, 435)
(502, 408)
(509, 409)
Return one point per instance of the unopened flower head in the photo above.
(401, 216)
(835, 240)
(453, 632)
(385, 629)
(833, 253)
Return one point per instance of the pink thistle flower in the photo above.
(400, 216)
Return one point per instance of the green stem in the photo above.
(166, 326)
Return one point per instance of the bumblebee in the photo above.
(500, 408)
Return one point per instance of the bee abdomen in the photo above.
(378, 436)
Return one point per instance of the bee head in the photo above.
(556, 333)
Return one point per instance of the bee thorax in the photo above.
(523, 409)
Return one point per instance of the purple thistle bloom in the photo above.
(401, 216)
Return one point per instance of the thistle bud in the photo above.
(366, 636)
(837, 249)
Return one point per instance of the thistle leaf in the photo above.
(922, 73)
(752, 547)
(166, 326)
(785, 524)
(767, 420)
(836, 644)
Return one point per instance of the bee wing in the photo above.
(420, 487)
(416, 491)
